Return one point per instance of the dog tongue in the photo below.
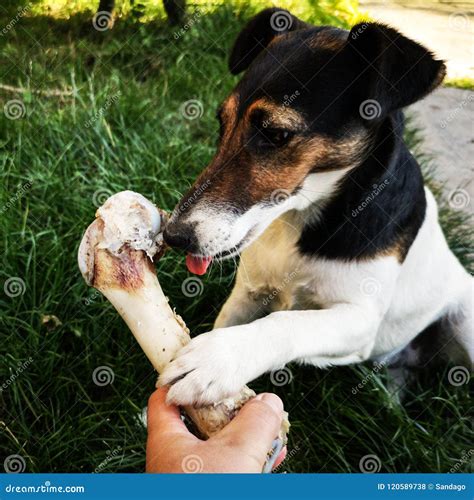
(197, 265)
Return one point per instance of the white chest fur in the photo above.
(404, 297)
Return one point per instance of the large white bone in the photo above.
(115, 256)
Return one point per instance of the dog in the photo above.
(342, 258)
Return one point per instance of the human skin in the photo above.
(241, 446)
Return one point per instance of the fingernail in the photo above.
(271, 400)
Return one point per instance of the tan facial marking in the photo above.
(318, 150)
(328, 39)
(280, 116)
(229, 115)
(239, 175)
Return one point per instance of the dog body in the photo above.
(390, 303)
(342, 256)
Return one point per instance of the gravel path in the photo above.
(446, 121)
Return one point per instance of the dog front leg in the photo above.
(216, 364)
(340, 335)
(241, 308)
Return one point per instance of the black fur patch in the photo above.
(379, 207)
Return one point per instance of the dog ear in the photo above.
(258, 33)
(393, 70)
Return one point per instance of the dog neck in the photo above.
(378, 207)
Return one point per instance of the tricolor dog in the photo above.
(342, 258)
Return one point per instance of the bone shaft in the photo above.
(161, 334)
(151, 320)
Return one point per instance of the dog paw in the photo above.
(208, 369)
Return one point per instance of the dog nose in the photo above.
(180, 236)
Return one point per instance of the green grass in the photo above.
(124, 130)
(460, 83)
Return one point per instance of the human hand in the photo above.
(241, 446)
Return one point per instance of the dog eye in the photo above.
(273, 137)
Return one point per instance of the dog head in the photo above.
(303, 115)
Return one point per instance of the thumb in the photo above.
(256, 426)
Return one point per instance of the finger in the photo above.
(255, 426)
(163, 418)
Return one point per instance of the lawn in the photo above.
(98, 112)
